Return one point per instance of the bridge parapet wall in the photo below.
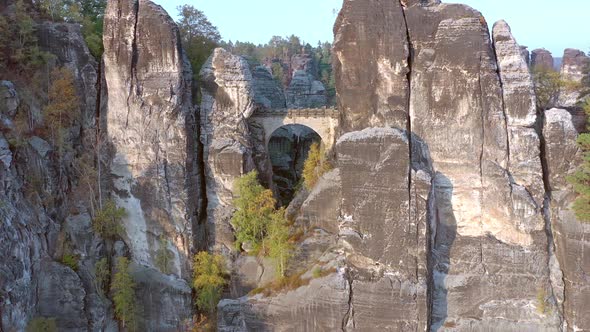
(323, 121)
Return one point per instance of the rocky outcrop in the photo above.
(355, 214)
(524, 163)
(66, 43)
(371, 65)
(34, 196)
(267, 91)
(60, 284)
(571, 236)
(572, 69)
(164, 302)
(305, 92)
(152, 130)
(151, 126)
(478, 206)
(228, 101)
(542, 59)
(384, 200)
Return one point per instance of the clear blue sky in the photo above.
(553, 24)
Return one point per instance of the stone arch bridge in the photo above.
(324, 121)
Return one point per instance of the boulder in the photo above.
(40, 146)
(164, 302)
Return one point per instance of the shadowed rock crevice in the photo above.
(288, 148)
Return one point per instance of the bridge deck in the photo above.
(299, 112)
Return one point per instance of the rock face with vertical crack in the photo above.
(228, 101)
(483, 217)
(371, 65)
(151, 126)
(571, 236)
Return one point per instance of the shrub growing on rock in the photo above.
(277, 241)
(102, 273)
(107, 221)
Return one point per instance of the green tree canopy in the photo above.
(199, 36)
(547, 84)
(255, 207)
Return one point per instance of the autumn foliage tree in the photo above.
(315, 165)
(208, 280)
(62, 107)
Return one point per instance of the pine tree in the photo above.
(123, 288)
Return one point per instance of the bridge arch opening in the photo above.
(288, 147)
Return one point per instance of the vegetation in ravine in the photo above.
(547, 84)
(123, 290)
(315, 165)
(102, 273)
(209, 275)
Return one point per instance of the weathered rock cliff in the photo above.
(152, 130)
(463, 238)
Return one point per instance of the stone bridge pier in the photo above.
(324, 121)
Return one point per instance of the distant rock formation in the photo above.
(541, 58)
(572, 70)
